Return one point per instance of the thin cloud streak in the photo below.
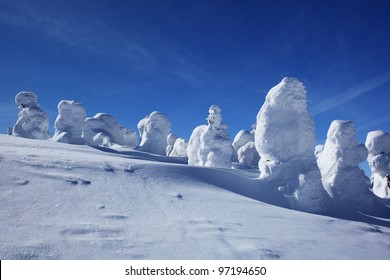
(350, 94)
(97, 37)
(374, 124)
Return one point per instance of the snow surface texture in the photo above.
(32, 122)
(69, 124)
(285, 139)
(179, 148)
(209, 145)
(104, 131)
(171, 139)
(154, 130)
(378, 145)
(63, 201)
(339, 164)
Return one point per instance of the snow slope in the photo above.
(61, 201)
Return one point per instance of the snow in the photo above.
(210, 145)
(179, 149)
(69, 124)
(61, 201)
(103, 130)
(32, 122)
(248, 155)
(154, 130)
(243, 136)
(378, 145)
(339, 164)
(171, 139)
(285, 140)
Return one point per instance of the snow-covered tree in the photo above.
(154, 130)
(243, 136)
(103, 130)
(248, 155)
(179, 148)
(32, 122)
(209, 145)
(70, 122)
(171, 139)
(339, 165)
(285, 139)
(378, 145)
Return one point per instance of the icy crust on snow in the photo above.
(104, 131)
(378, 146)
(69, 124)
(285, 139)
(32, 122)
(209, 145)
(179, 149)
(339, 164)
(248, 155)
(154, 130)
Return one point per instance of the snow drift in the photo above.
(285, 139)
(209, 145)
(69, 124)
(32, 122)
(339, 164)
(378, 145)
(103, 130)
(154, 130)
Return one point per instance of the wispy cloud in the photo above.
(93, 35)
(350, 94)
(374, 124)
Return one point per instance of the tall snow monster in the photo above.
(209, 145)
(285, 140)
(32, 122)
(339, 162)
(154, 130)
(378, 145)
(70, 122)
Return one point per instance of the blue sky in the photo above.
(129, 58)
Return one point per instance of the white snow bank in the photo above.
(378, 145)
(154, 130)
(103, 130)
(339, 164)
(209, 145)
(32, 122)
(285, 139)
(70, 122)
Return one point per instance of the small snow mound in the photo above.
(243, 136)
(103, 130)
(378, 146)
(171, 139)
(339, 165)
(32, 122)
(179, 148)
(209, 145)
(154, 130)
(70, 122)
(248, 155)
